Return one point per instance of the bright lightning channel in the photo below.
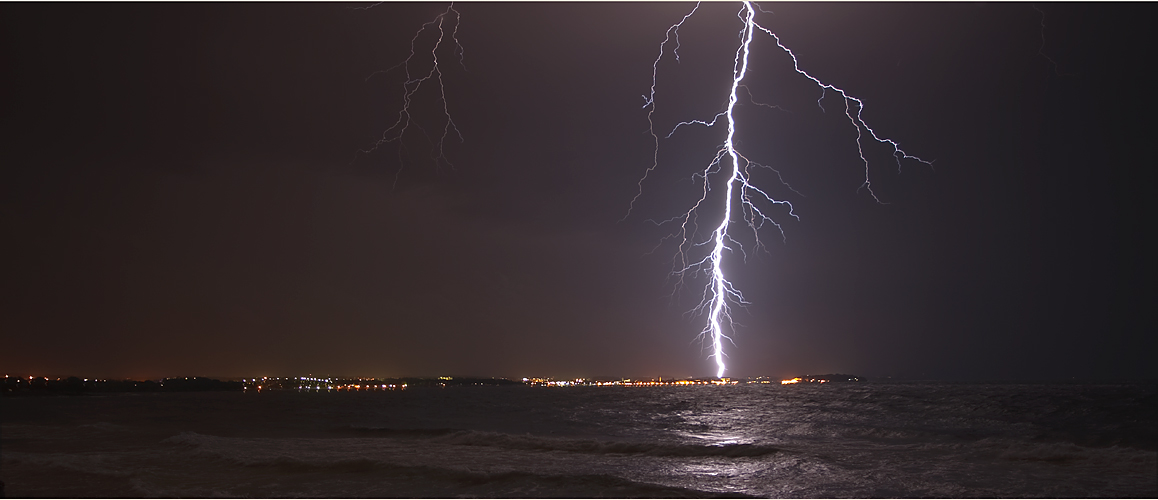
(414, 82)
(720, 293)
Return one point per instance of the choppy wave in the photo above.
(405, 480)
(592, 446)
(529, 442)
(89, 463)
(1069, 453)
(391, 432)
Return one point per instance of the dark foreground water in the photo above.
(852, 440)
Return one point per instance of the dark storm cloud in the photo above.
(184, 192)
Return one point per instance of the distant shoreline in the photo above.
(43, 386)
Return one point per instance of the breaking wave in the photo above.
(390, 432)
(417, 480)
(592, 446)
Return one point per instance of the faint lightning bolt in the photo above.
(672, 31)
(415, 81)
(719, 293)
(1041, 49)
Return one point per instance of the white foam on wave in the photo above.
(475, 457)
(601, 447)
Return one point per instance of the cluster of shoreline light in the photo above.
(318, 384)
(548, 382)
(626, 382)
(812, 380)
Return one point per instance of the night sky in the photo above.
(183, 192)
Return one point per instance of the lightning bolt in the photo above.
(447, 20)
(1041, 49)
(719, 294)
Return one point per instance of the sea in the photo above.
(851, 440)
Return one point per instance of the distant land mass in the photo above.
(33, 386)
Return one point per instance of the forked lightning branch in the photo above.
(742, 200)
(445, 28)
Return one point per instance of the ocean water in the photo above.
(828, 441)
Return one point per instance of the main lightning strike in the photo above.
(414, 83)
(719, 292)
